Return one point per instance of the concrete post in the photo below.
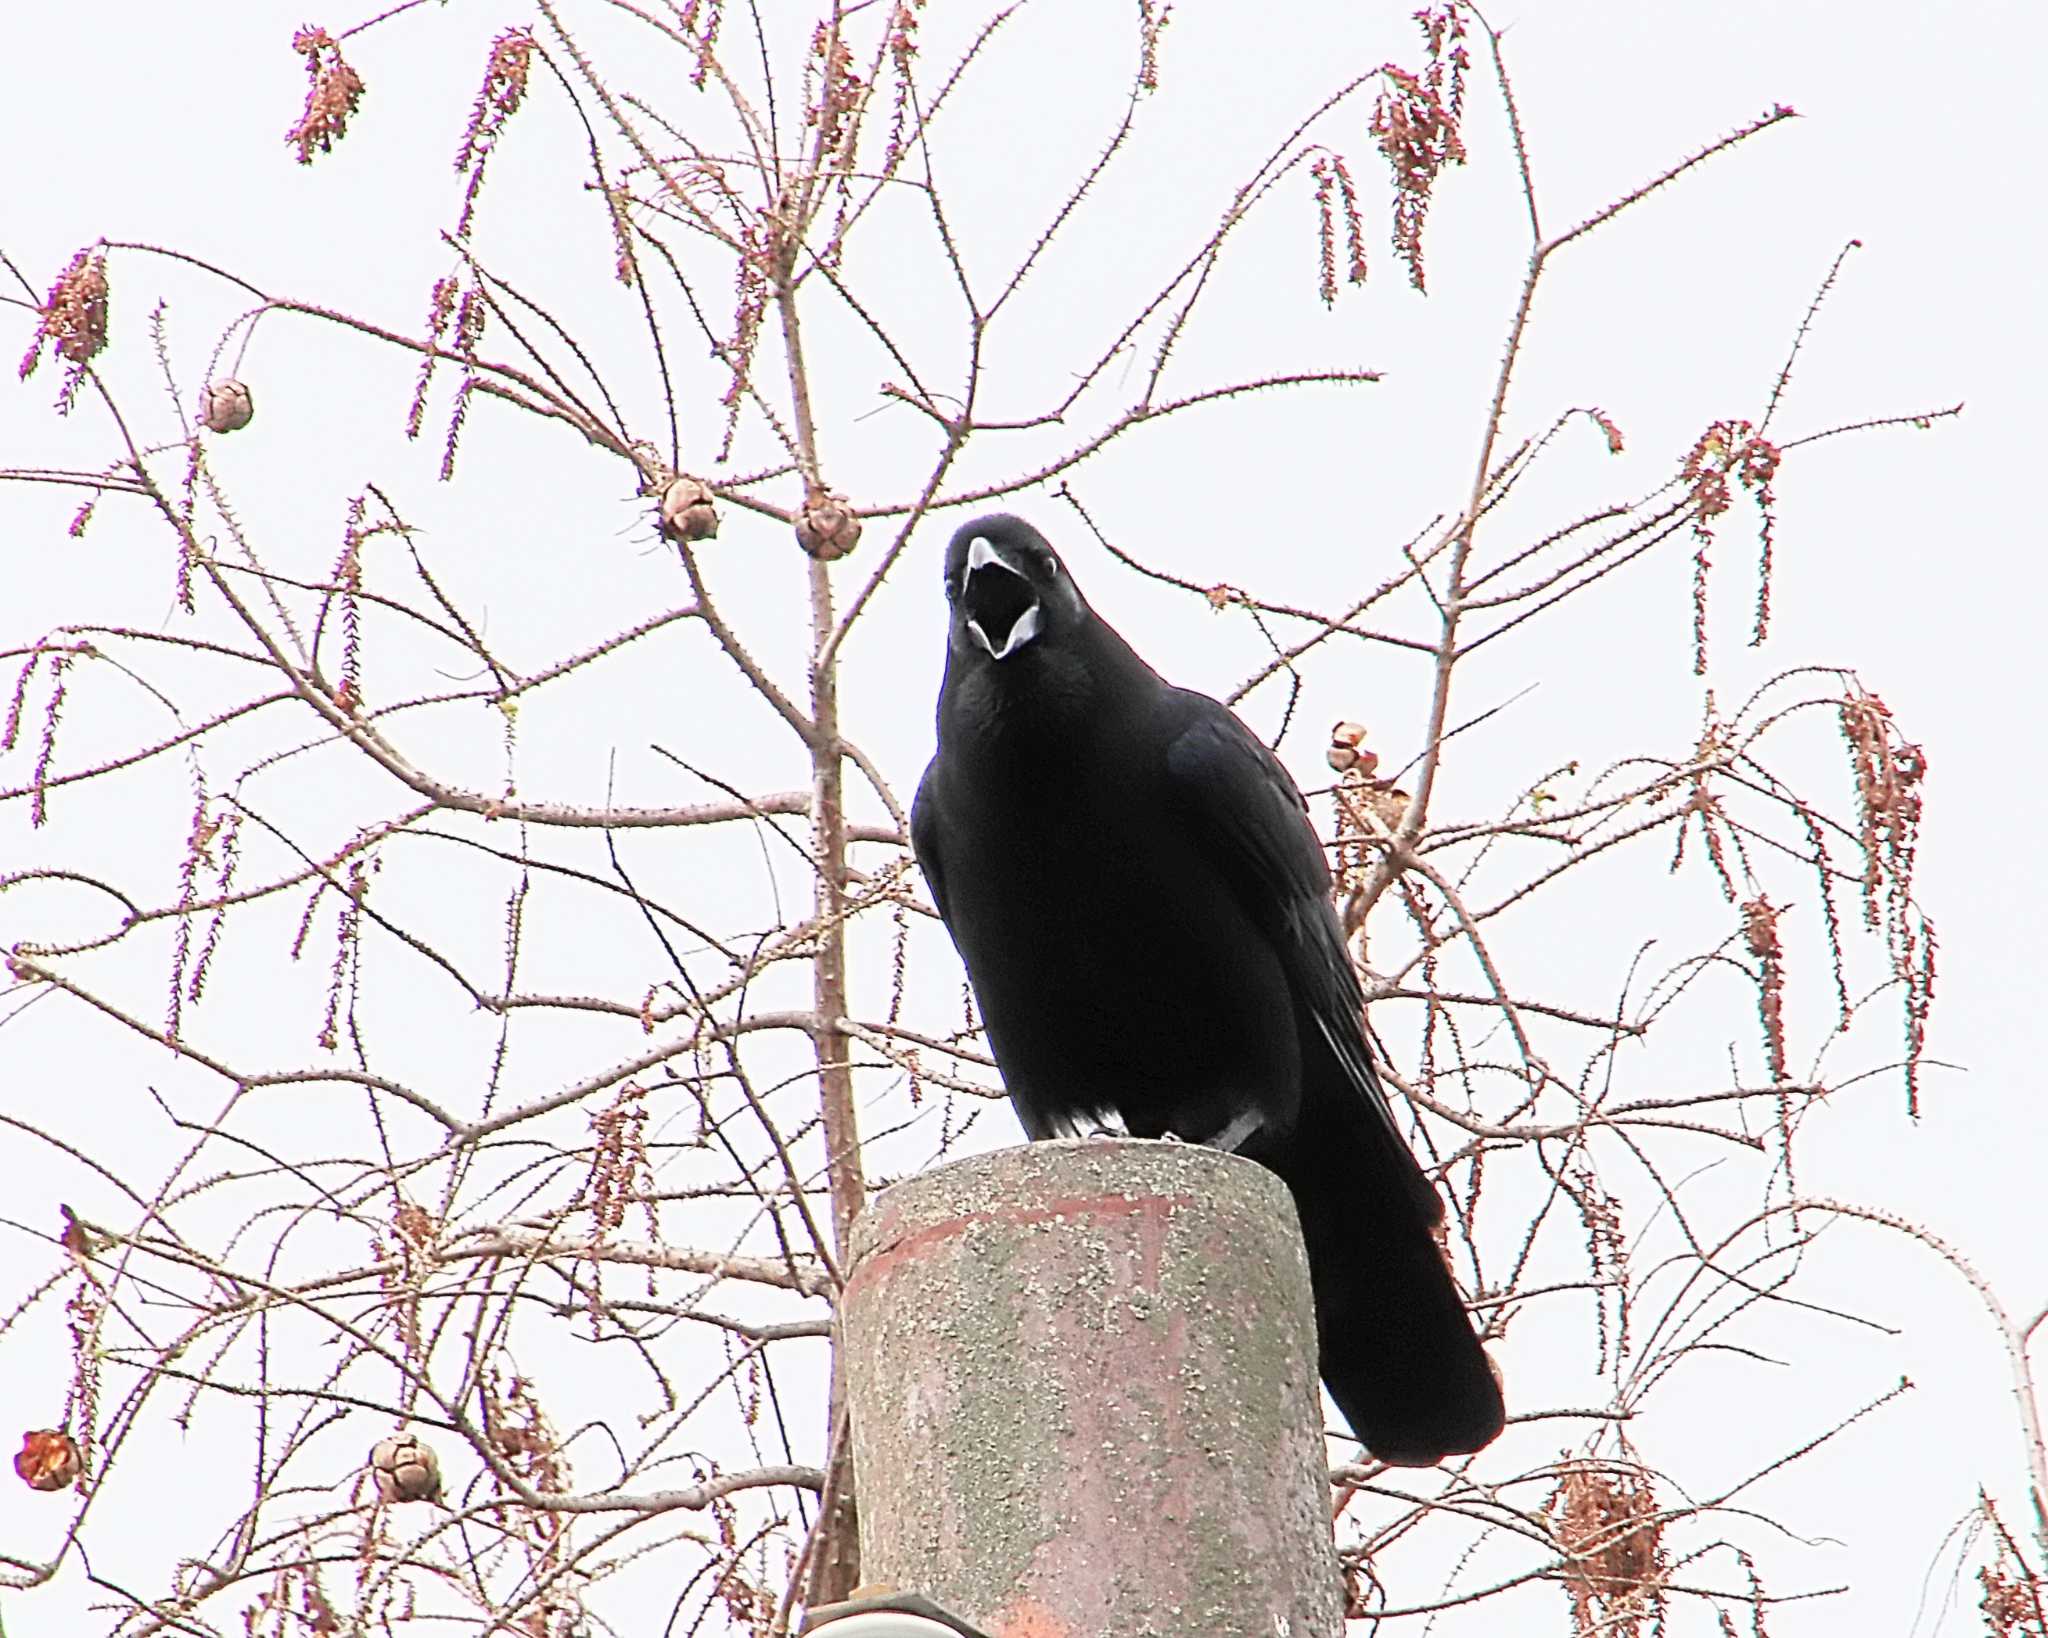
(1083, 1385)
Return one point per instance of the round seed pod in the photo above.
(48, 1459)
(405, 1469)
(827, 527)
(687, 512)
(1347, 742)
(226, 406)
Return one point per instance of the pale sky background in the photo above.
(1913, 557)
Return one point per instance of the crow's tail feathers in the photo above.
(1399, 1354)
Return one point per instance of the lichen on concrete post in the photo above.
(1083, 1384)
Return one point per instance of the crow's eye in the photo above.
(1048, 565)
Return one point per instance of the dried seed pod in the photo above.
(405, 1469)
(1346, 752)
(226, 406)
(48, 1459)
(827, 528)
(687, 512)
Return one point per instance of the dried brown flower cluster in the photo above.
(1728, 450)
(523, 1437)
(334, 91)
(1760, 933)
(1606, 1249)
(1607, 1523)
(1887, 792)
(836, 93)
(212, 846)
(1359, 791)
(441, 313)
(1889, 773)
(2015, 1601)
(72, 320)
(1415, 123)
(2012, 1605)
(700, 20)
(1369, 810)
(461, 309)
(751, 273)
(620, 1170)
(1337, 196)
(497, 100)
(1153, 16)
(902, 47)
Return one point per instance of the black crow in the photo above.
(1144, 910)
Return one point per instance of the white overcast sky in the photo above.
(1915, 558)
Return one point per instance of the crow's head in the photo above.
(1007, 589)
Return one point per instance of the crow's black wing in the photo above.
(1397, 1349)
(924, 837)
(1253, 826)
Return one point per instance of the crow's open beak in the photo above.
(1002, 607)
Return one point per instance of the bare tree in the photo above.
(508, 1131)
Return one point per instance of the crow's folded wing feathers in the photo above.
(924, 840)
(1254, 827)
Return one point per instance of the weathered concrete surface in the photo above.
(1083, 1385)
